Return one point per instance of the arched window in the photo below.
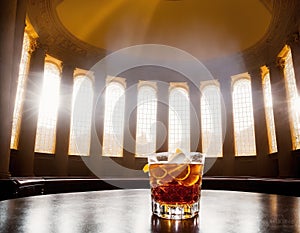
(114, 117)
(47, 118)
(243, 119)
(266, 83)
(22, 78)
(211, 123)
(146, 119)
(81, 118)
(293, 98)
(179, 117)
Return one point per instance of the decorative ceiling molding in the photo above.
(56, 40)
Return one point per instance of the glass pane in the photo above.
(146, 121)
(211, 123)
(269, 113)
(243, 118)
(114, 120)
(293, 100)
(22, 78)
(179, 119)
(81, 118)
(46, 126)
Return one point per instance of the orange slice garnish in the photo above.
(190, 180)
(146, 168)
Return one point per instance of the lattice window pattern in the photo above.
(21, 87)
(179, 119)
(49, 102)
(243, 119)
(269, 114)
(81, 118)
(211, 123)
(114, 119)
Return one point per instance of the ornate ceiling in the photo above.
(206, 29)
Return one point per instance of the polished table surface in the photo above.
(129, 211)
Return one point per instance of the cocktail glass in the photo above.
(175, 180)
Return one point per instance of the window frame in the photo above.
(181, 86)
(121, 82)
(58, 64)
(292, 95)
(82, 74)
(203, 86)
(27, 49)
(269, 112)
(235, 79)
(153, 86)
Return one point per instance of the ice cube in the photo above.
(178, 158)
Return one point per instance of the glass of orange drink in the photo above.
(175, 181)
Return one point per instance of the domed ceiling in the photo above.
(205, 29)
(215, 31)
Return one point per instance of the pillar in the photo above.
(227, 119)
(260, 126)
(195, 117)
(98, 116)
(162, 117)
(25, 157)
(18, 45)
(64, 121)
(11, 20)
(281, 118)
(130, 119)
(96, 162)
(295, 49)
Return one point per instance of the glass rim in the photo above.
(153, 156)
(169, 153)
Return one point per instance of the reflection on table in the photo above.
(129, 211)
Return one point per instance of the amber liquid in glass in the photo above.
(175, 184)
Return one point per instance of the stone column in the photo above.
(11, 20)
(98, 114)
(18, 45)
(64, 121)
(162, 117)
(96, 162)
(25, 157)
(260, 126)
(130, 120)
(281, 118)
(295, 49)
(227, 118)
(195, 117)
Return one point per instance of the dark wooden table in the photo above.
(129, 211)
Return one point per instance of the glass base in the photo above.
(177, 212)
